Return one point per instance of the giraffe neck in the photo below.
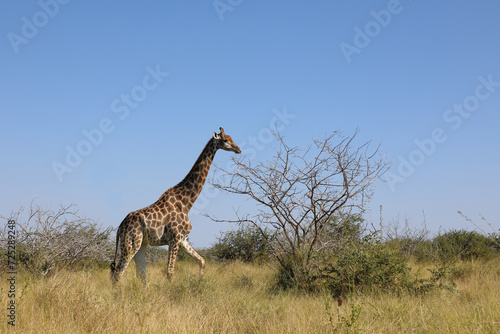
(192, 184)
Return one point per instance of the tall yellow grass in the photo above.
(236, 298)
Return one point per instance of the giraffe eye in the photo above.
(224, 140)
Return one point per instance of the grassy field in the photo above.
(237, 298)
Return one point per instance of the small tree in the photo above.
(300, 191)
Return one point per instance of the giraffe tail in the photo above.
(113, 264)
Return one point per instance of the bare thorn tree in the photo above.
(300, 190)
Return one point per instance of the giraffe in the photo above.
(166, 221)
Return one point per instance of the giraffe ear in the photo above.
(216, 136)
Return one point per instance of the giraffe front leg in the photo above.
(194, 255)
(173, 248)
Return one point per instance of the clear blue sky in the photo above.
(156, 78)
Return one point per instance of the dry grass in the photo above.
(236, 298)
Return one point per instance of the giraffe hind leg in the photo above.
(129, 246)
(119, 268)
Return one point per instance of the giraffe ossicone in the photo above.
(166, 221)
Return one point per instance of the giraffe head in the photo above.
(225, 142)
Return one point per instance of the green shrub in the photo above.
(462, 245)
(364, 267)
(495, 240)
(445, 248)
(299, 267)
(245, 244)
(293, 273)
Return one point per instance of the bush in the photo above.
(462, 245)
(443, 249)
(299, 267)
(245, 244)
(412, 249)
(495, 239)
(364, 266)
(293, 273)
(47, 238)
(367, 265)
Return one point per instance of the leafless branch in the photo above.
(46, 237)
